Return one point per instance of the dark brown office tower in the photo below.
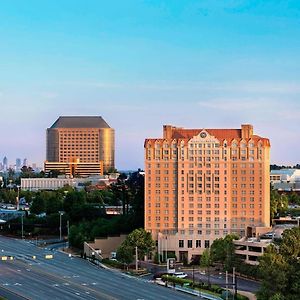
(80, 146)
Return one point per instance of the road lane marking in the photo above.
(37, 270)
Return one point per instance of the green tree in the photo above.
(27, 172)
(53, 204)
(294, 198)
(38, 205)
(138, 238)
(273, 269)
(280, 268)
(223, 251)
(279, 203)
(142, 239)
(74, 199)
(205, 262)
(125, 254)
(135, 185)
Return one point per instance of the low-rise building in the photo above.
(250, 249)
(36, 184)
(285, 180)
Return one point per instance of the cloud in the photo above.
(289, 114)
(229, 104)
(233, 86)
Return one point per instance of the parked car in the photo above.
(180, 274)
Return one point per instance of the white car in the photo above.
(180, 274)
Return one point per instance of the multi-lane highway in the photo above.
(31, 276)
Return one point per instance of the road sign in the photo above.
(171, 265)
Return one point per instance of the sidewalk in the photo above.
(251, 296)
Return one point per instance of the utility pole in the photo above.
(226, 285)
(22, 226)
(166, 248)
(158, 248)
(193, 274)
(136, 258)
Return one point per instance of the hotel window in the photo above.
(206, 244)
(190, 243)
(198, 243)
(181, 243)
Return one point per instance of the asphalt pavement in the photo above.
(243, 284)
(31, 276)
(220, 279)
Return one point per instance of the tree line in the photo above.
(84, 209)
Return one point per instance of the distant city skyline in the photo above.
(142, 64)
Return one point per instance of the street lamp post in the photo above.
(68, 228)
(18, 197)
(60, 214)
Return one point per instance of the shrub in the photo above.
(113, 263)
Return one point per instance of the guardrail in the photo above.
(190, 291)
(197, 293)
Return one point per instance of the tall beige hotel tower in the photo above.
(202, 184)
(80, 146)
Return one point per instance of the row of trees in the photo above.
(85, 209)
(276, 167)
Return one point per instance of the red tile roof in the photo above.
(179, 134)
(218, 133)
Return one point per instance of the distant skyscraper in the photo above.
(80, 146)
(202, 184)
(18, 164)
(5, 163)
(25, 162)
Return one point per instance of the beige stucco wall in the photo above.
(105, 245)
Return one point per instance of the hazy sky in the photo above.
(142, 64)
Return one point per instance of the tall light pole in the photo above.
(18, 197)
(60, 214)
(68, 228)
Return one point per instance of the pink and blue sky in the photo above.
(142, 64)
